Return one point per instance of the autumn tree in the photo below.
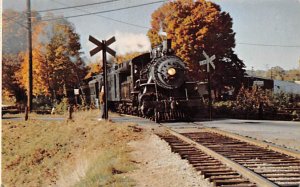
(292, 75)
(93, 69)
(195, 26)
(63, 59)
(39, 70)
(57, 65)
(14, 30)
(277, 73)
(11, 89)
(14, 47)
(126, 57)
(39, 87)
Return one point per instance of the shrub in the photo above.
(253, 103)
(41, 103)
(62, 107)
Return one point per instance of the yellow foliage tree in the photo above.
(94, 68)
(195, 26)
(12, 91)
(40, 81)
(126, 57)
(57, 66)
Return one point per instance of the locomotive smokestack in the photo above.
(167, 45)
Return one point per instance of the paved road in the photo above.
(36, 118)
(285, 133)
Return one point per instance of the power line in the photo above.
(127, 23)
(10, 18)
(268, 45)
(104, 17)
(106, 11)
(78, 6)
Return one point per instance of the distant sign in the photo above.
(76, 91)
(208, 61)
(258, 83)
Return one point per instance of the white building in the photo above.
(286, 87)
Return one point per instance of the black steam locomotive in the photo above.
(153, 85)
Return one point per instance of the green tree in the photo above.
(195, 26)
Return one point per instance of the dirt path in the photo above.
(158, 166)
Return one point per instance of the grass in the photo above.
(82, 152)
(107, 170)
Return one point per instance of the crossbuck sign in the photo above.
(103, 46)
(208, 60)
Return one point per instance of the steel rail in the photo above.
(276, 148)
(245, 172)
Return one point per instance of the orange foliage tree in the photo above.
(57, 65)
(126, 57)
(40, 86)
(195, 26)
(94, 68)
(11, 90)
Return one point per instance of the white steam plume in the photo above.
(130, 42)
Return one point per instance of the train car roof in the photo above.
(141, 58)
(93, 81)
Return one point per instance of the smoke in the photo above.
(125, 43)
(130, 42)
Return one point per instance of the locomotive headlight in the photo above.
(171, 71)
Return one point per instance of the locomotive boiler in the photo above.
(154, 85)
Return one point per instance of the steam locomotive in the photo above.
(154, 85)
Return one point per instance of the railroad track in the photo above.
(230, 161)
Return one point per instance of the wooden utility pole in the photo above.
(209, 95)
(29, 89)
(105, 78)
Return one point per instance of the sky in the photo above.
(267, 31)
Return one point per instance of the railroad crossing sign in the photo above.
(104, 47)
(208, 60)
